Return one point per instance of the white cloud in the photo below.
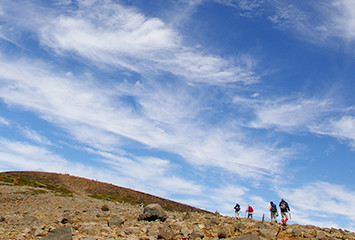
(318, 22)
(222, 198)
(343, 19)
(288, 114)
(321, 198)
(33, 135)
(342, 128)
(24, 156)
(124, 38)
(148, 174)
(4, 121)
(301, 115)
(96, 116)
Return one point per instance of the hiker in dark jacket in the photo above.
(285, 208)
(237, 209)
(273, 211)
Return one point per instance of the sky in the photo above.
(204, 102)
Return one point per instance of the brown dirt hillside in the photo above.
(49, 206)
(85, 186)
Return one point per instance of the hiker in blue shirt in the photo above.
(284, 207)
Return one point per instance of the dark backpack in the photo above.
(283, 205)
(237, 207)
(273, 208)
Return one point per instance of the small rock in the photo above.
(248, 236)
(67, 217)
(64, 233)
(165, 233)
(297, 233)
(240, 227)
(27, 221)
(224, 232)
(321, 236)
(115, 221)
(196, 233)
(215, 220)
(105, 208)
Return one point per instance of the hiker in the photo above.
(237, 209)
(273, 211)
(284, 207)
(250, 211)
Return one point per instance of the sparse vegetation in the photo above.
(114, 198)
(24, 181)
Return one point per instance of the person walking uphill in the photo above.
(237, 209)
(273, 211)
(250, 211)
(285, 208)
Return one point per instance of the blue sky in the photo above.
(203, 102)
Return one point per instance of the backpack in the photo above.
(237, 207)
(250, 209)
(283, 205)
(273, 208)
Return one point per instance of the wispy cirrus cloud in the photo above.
(286, 114)
(21, 155)
(342, 128)
(318, 198)
(97, 116)
(301, 115)
(4, 121)
(319, 22)
(124, 38)
(35, 136)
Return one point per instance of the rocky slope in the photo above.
(39, 209)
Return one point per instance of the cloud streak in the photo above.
(322, 197)
(124, 38)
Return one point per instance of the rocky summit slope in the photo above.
(34, 207)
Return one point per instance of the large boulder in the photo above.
(153, 212)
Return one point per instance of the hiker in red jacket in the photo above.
(250, 211)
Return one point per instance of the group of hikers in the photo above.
(284, 209)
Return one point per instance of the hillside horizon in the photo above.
(81, 185)
(51, 206)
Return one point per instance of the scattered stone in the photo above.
(115, 221)
(297, 232)
(197, 232)
(27, 221)
(224, 232)
(67, 217)
(39, 217)
(153, 212)
(240, 227)
(322, 236)
(165, 233)
(248, 236)
(105, 208)
(63, 233)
